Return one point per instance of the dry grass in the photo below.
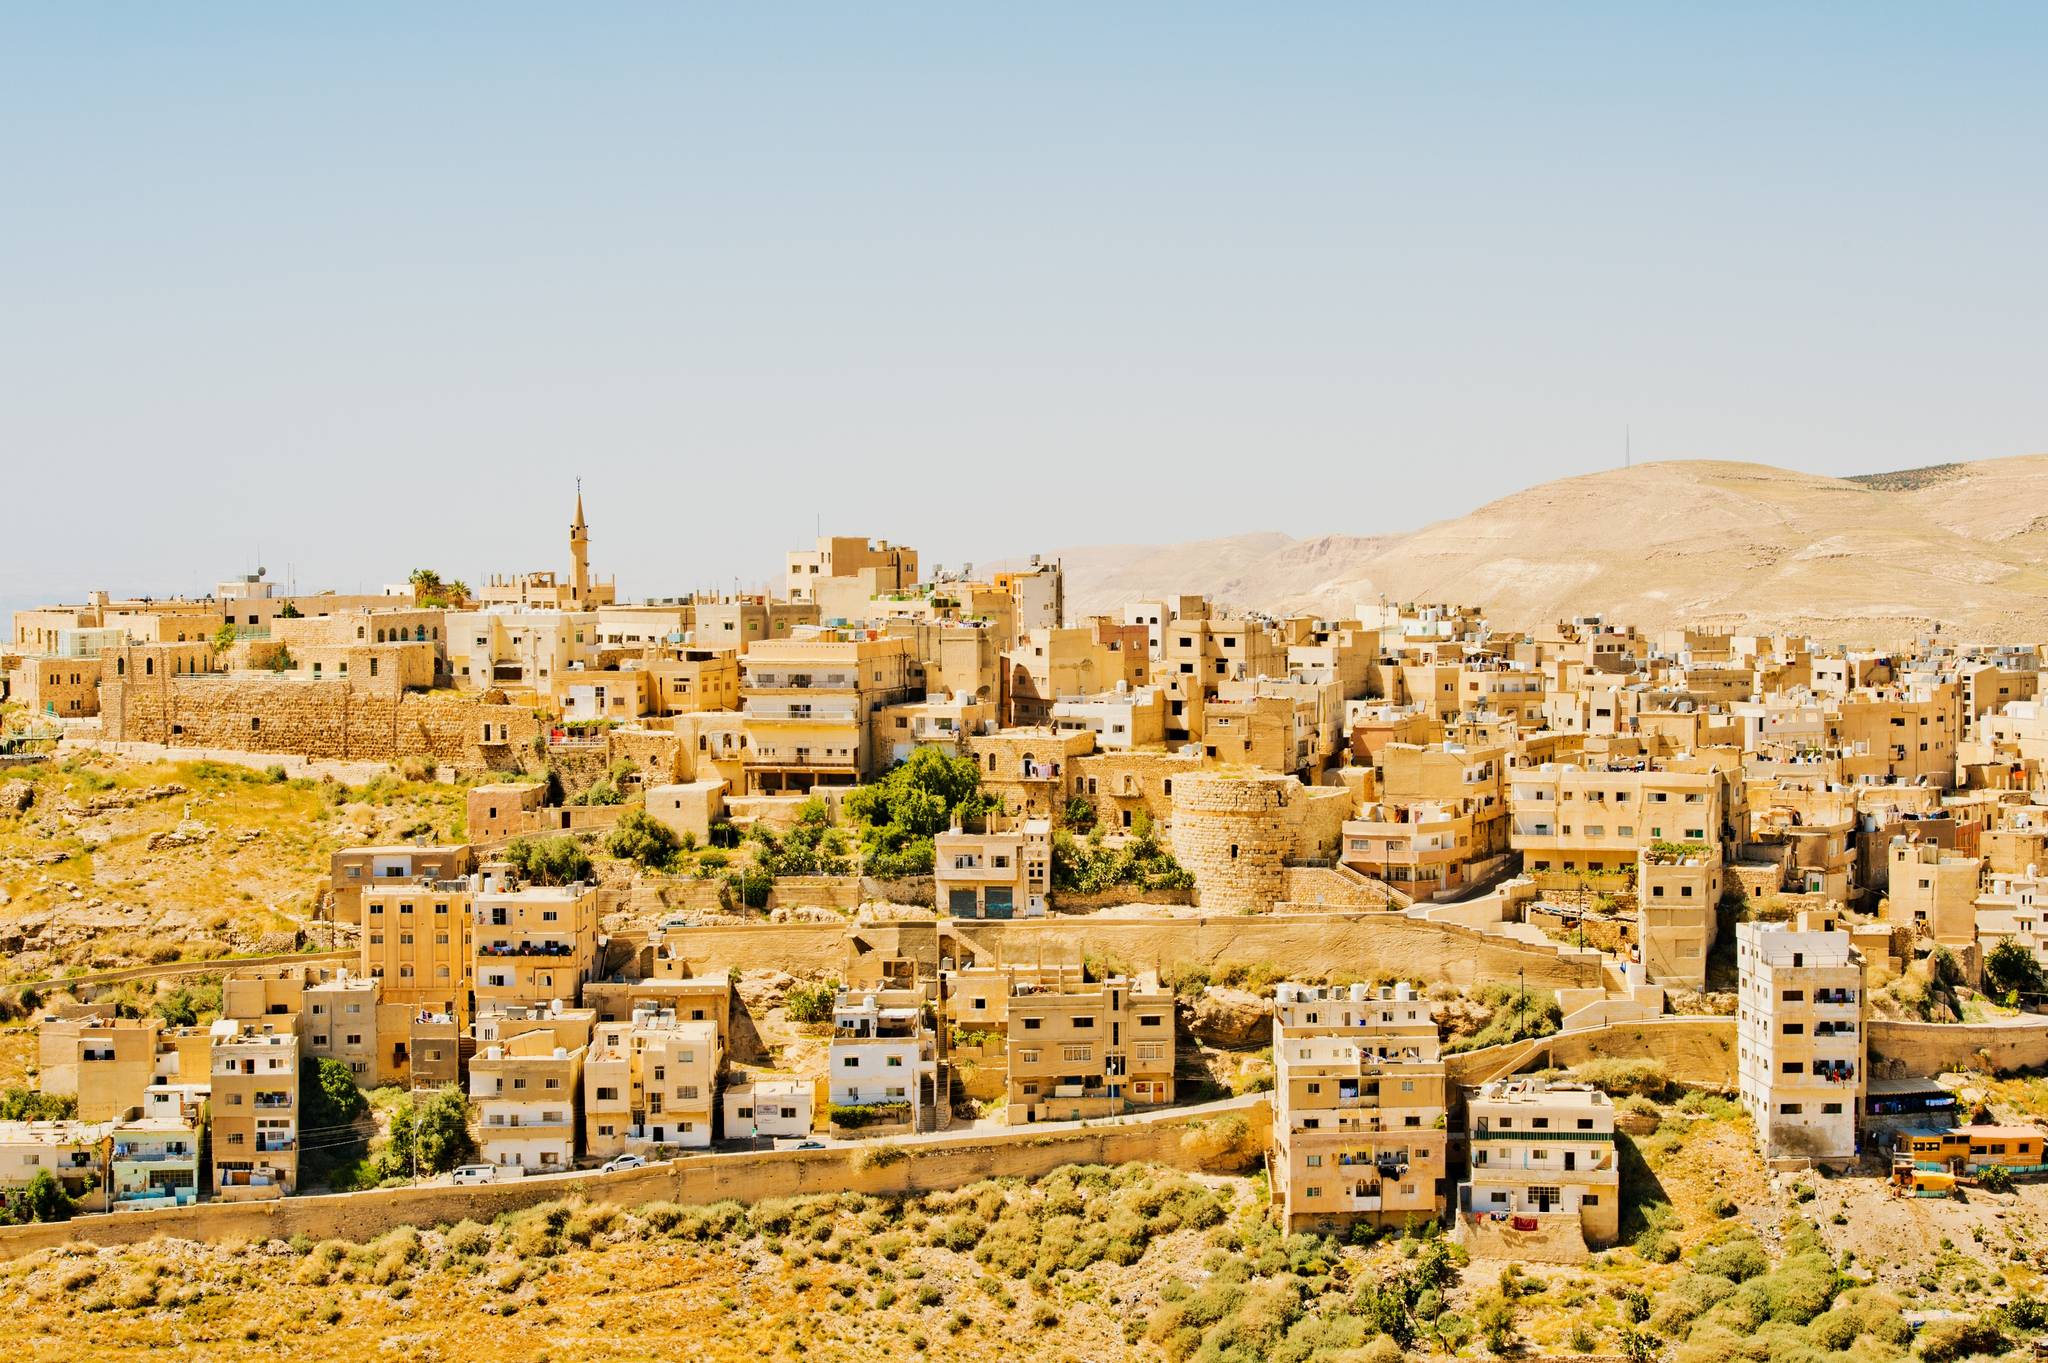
(82, 877)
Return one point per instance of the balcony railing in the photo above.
(1496, 1135)
(525, 949)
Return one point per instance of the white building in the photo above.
(769, 1108)
(1541, 1150)
(2011, 910)
(1799, 1036)
(883, 1053)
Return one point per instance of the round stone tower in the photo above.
(1235, 833)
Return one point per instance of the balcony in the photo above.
(525, 949)
(1486, 1134)
(275, 1145)
(134, 1154)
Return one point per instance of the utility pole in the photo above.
(1522, 1004)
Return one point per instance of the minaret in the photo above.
(579, 553)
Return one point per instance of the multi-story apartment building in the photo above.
(1933, 891)
(2012, 909)
(882, 566)
(526, 1086)
(650, 1084)
(1194, 656)
(343, 1023)
(1122, 719)
(1079, 1049)
(1593, 821)
(534, 944)
(1422, 848)
(154, 1160)
(1678, 897)
(105, 1062)
(1799, 1036)
(531, 653)
(885, 1054)
(1541, 1150)
(255, 1107)
(1901, 733)
(1005, 872)
(356, 869)
(807, 704)
(1047, 666)
(416, 941)
(1359, 1107)
(686, 680)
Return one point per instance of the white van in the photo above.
(476, 1173)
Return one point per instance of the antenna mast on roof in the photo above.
(1628, 447)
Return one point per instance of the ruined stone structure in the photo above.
(352, 720)
(1237, 834)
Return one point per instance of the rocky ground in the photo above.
(106, 862)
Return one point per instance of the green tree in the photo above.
(549, 861)
(225, 636)
(2010, 971)
(42, 1198)
(922, 796)
(33, 1105)
(640, 837)
(289, 612)
(331, 1109)
(811, 1002)
(435, 1131)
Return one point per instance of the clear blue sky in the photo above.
(362, 288)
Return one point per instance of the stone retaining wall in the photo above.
(1911, 1049)
(947, 1162)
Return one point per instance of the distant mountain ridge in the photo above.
(1876, 558)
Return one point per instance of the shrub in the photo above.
(640, 837)
(1995, 1178)
(1621, 1078)
(549, 861)
(1943, 1340)
(1737, 1260)
(811, 1003)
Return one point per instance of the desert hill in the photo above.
(1876, 558)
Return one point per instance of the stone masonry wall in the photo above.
(339, 720)
(1236, 834)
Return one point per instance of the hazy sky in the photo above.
(361, 289)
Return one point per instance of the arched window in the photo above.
(149, 667)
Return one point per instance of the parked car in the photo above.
(618, 1162)
(476, 1173)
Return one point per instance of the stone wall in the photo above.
(1694, 1050)
(948, 1162)
(1384, 945)
(913, 890)
(1330, 889)
(815, 892)
(1236, 835)
(1903, 1049)
(338, 720)
(1073, 902)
